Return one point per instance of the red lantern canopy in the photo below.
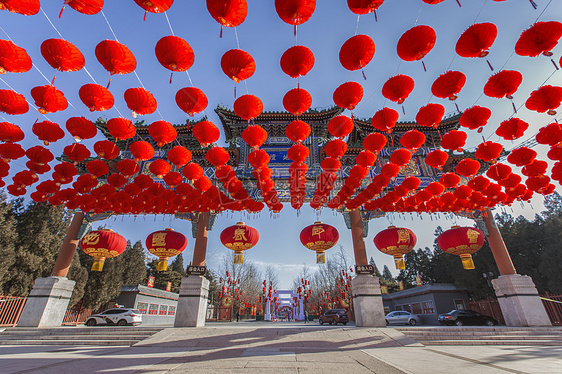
(13, 59)
(49, 99)
(542, 37)
(545, 99)
(488, 151)
(96, 97)
(340, 126)
(141, 150)
(512, 129)
(348, 95)
(102, 244)
(174, 53)
(106, 149)
(297, 61)
(384, 120)
(357, 52)
(77, 152)
(449, 180)
(415, 43)
(398, 88)
(10, 133)
(217, 156)
(550, 134)
(467, 167)
(115, 57)
(335, 148)
(192, 171)
(297, 101)
(319, 237)
(239, 238)
(162, 132)
(295, 12)
(297, 131)
(24, 7)
(37, 154)
(179, 156)
(191, 100)
(476, 40)
(62, 55)
(396, 241)
(81, 128)
(165, 244)
(47, 131)
(448, 85)
(121, 128)
(238, 65)
(12, 102)
(521, 156)
(475, 117)
(229, 13)
(436, 158)
(503, 84)
(400, 157)
(248, 107)
(412, 140)
(159, 168)
(206, 133)
(454, 140)
(127, 167)
(254, 135)
(140, 101)
(462, 241)
(97, 167)
(430, 115)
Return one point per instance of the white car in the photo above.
(116, 317)
(402, 317)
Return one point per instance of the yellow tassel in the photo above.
(238, 258)
(98, 264)
(399, 262)
(467, 262)
(162, 264)
(320, 258)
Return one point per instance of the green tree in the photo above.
(377, 272)
(161, 278)
(102, 286)
(7, 239)
(386, 274)
(135, 270)
(178, 266)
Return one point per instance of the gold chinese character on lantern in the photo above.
(159, 239)
(92, 238)
(403, 236)
(240, 234)
(472, 236)
(317, 230)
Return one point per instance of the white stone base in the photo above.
(192, 303)
(519, 301)
(47, 303)
(367, 301)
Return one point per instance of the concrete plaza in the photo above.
(261, 347)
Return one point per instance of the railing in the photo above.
(76, 315)
(488, 307)
(10, 310)
(553, 306)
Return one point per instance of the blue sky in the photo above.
(266, 37)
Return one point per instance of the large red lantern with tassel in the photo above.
(191, 100)
(477, 40)
(239, 238)
(12, 102)
(174, 53)
(385, 120)
(357, 52)
(206, 133)
(115, 57)
(10, 133)
(545, 99)
(398, 88)
(121, 128)
(24, 7)
(248, 107)
(13, 59)
(155, 6)
(254, 135)
(297, 101)
(297, 61)
(48, 99)
(295, 12)
(475, 117)
(542, 37)
(348, 95)
(364, 6)
(448, 85)
(463, 242)
(179, 156)
(47, 131)
(297, 131)
(96, 97)
(228, 13)
(430, 115)
(512, 129)
(141, 150)
(503, 84)
(319, 237)
(81, 128)
(238, 65)
(140, 101)
(62, 55)
(396, 241)
(165, 244)
(415, 43)
(162, 132)
(88, 7)
(102, 244)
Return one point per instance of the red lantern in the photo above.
(116, 180)
(297, 131)
(191, 100)
(415, 43)
(140, 101)
(475, 117)
(357, 52)
(348, 95)
(366, 158)
(454, 140)
(550, 134)
(499, 172)
(217, 156)
(436, 158)
(141, 150)
(179, 156)
(192, 171)
(364, 6)
(97, 167)
(102, 244)
(121, 128)
(239, 238)
(476, 40)
(503, 84)
(162, 132)
(206, 133)
(24, 7)
(106, 149)
(396, 241)
(319, 237)
(488, 151)
(448, 85)
(173, 179)
(165, 244)
(13, 151)
(398, 88)
(96, 97)
(335, 148)
(159, 168)
(229, 13)
(155, 6)
(545, 99)
(462, 241)
(10, 133)
(12, 102)
(238, 65)
(88, 7)
(400, 157)
(47, 131)
(115, 57)
(254, 135)
(340, 126)
(174, 53)
(467, 167)
(385, 120)
(430, 115)
(76, 152)
(81, 128)
(127, 167)
(542, 37)
(13, 59)
(62, 55)
(512, 129)
(412, 140)
(297, 61)
(248, 107)
(449, 180)
(37, 154)
(374, 142)
(521, 156)
(297, 101)
(48, 99)
(295, 12)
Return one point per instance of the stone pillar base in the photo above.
(367, 301)
(192, 303)
(47, 303)
(519, 301)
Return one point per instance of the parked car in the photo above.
(116, 316)
(402, 318)
(334, 316)
(461, 317)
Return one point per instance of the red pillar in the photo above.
(200, 249)
(358, 239)
(68, 247)
(497, 245)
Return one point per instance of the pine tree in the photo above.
(135, 271)
(161, 278)
(178, 266)
(102, 286)
(386, 274)
(377, 272)
(7, 239)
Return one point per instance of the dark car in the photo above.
(461, 317)
(334, 316)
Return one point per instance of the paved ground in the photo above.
(256, 347)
